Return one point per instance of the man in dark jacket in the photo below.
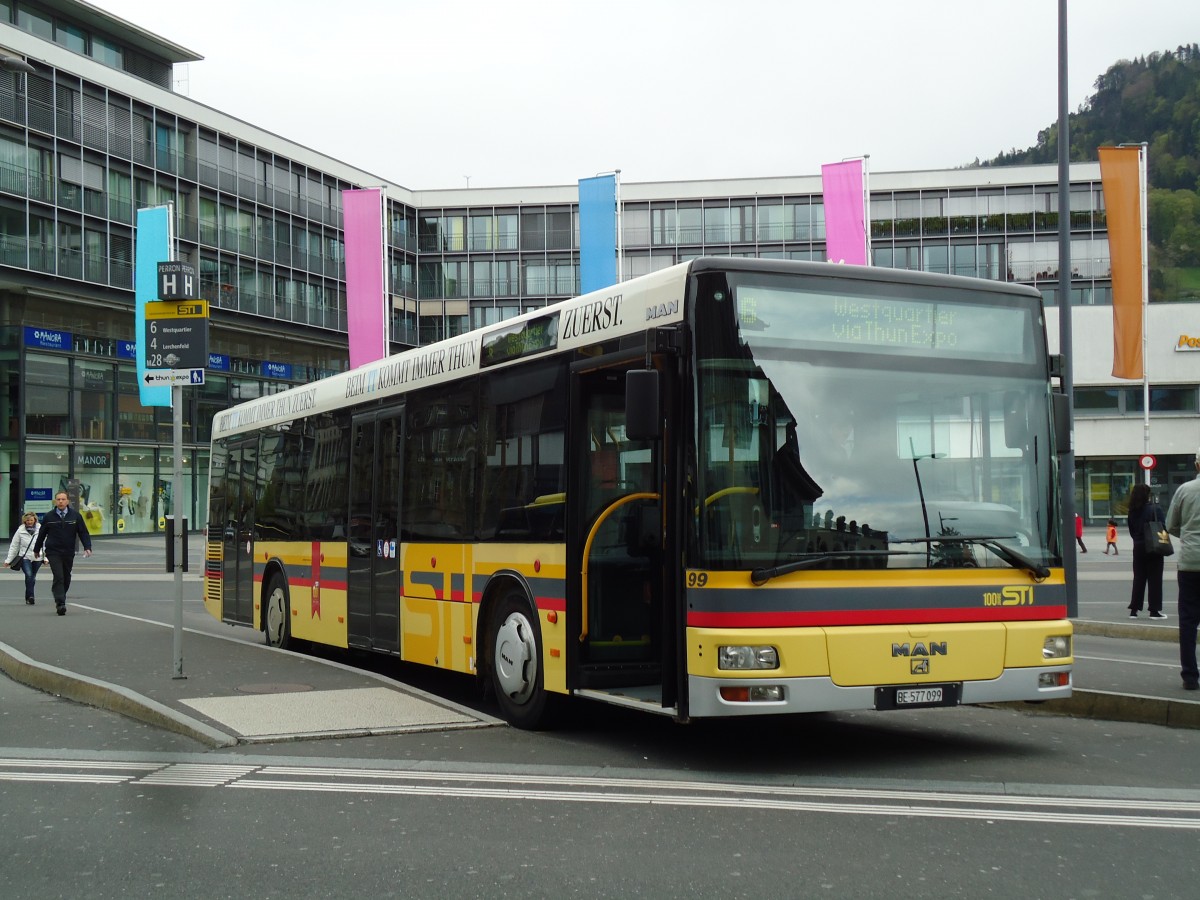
(60, 528)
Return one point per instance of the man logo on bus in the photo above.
(658, 310)
(933, 648)
(919, 666)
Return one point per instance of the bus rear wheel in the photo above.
(516, 669)
(277, 614)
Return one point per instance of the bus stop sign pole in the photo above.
(179, 555)
(176, 343)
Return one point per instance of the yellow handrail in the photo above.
(725, 492)
(587, 547)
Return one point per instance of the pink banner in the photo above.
(366, 291)
(845, 229)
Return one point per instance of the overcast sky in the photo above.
(425, 93)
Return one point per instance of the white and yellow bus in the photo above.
(731, 487)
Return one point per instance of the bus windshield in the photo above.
(856, 424)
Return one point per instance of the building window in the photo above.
(47, 395)
(635, 226)
(1119, 401)
(663, 227)
(482, 233)
(716, 225)
(691, 225)
(72, 37)
(506, 231)
(1163, 400)
(35, 21)
(770, 224)
(560, 230)
(105, 51)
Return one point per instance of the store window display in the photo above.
(91, 488)
(135, 492)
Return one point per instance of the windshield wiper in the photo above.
(1014, 558)
(764, 574)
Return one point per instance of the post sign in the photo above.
(177, 281)
(1147, 462)
(176, 342)
(171, 377)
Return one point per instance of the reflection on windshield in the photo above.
(799, 458)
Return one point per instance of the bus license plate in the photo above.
(911, 696)
(890, 696)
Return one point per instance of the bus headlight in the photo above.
(747, 657)
(1056, 647)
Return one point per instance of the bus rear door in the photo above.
(373, 569)
(237, 533)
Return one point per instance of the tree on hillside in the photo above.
(1155, 99)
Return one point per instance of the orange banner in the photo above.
(1119, 173)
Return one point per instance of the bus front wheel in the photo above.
(516, 669)
(277, 614)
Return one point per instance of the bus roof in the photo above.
(627, 308)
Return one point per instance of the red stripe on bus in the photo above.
(551, 603)
(873, 617)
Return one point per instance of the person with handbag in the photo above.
(21, 557)
(61, 528)
(1183, 521)
(1147, 564)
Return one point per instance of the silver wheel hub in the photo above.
(516, 657)
(275, 614)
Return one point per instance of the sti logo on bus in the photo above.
(1010, 595)
(933, 648)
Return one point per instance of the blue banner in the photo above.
(127, 350)
(47, 338)
(277, 370)
(218, 362)
(597, 232)
(153, 245)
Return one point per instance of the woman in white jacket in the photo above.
(21, 549)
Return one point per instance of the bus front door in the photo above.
(616, 509)
(373, 569)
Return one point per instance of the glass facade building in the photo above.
(95, 132)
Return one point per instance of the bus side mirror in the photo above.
(1060, 405)
(642, 419)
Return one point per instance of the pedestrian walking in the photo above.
(1147, 567)
(21, 550)
(1110, 538)
(1079, 532)
(1183, 521)
(61, 528)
